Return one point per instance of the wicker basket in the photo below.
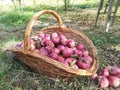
(47, 66)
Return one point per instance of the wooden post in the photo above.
(107, 24)
(106, 7)
(116, 8)
(65, 2)
(20, 3)
(98, 12)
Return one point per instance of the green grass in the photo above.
(14, 18)
(84, 5)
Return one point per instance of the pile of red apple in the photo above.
(108, 77)
(60, 48)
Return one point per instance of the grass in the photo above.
(15, 75)
(14, 18)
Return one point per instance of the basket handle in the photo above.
(31, 23)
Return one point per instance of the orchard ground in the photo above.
(14, 75)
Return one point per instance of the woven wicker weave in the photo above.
(48, 66)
